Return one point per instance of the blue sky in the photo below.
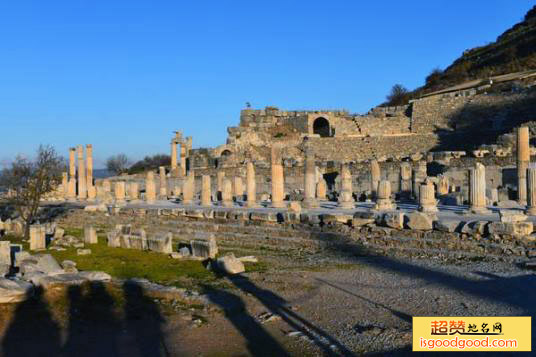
(123, 75)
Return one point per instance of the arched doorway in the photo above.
(321, 127)
(226, 153)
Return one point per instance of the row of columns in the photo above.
(79, 186)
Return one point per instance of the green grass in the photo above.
(131, 263)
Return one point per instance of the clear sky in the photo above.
(123, 74)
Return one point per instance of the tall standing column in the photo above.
(188, 189)
(238, 187)
(72, 164)
(120, 191)
(65, 184)
(309, 200)
(374, 176)
(383, 200)
(82, 188)
(278, 183)
(531, 192)
(133, 191)
(523, 159)
(219, 182)
(174, 165)
(89, 165)
(251, 185)
(150, 189)
(477, 189)
(227, 193)
(183, 159)
(405, 178)
(163, 181)
(206, 194)
(427, 201)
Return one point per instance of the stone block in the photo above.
(449, 226)
(90, 235)
(221, 214)
(5, 253)
(513, 229)
(12, 291)
(194, 213)
(363, 218)
(59, 233)
(264, 216)
(69, 267)
(419, 221)
(474, 227)
(508, 216)
(37, 237)
(114, 238)
(295, 207)
(393, 220)
(229, 264)
(204, 246)
(161, 243)
(83, 251)
(310, 218)
(337, 218)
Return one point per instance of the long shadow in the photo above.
(32, 332)
(259, 341)
(143, 321)
(93, 329)
(278, 306)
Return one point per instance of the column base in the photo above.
(384, 205)
(278, 204)
(428, 208)
(530, 211)
(227, 203)
(347, 205)
(252, 204)
(309, 203)
(479, 210)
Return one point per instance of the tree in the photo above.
(118, 164)
(434, 77)
(28, 181)
(399, 95)
(150, 163)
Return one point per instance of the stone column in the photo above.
(443, 185)
(120, 191)
(238, 188)
(89, 165)
(65, 184)
(174, 165)
(72, 164)
(405, 177)
(383, 200)
(227, 193)
(219, 182)
(163, 182)
(71, 194)
(477, 189)
(427, 201)
(523, 159)
(309, 200)
(133, 191)
(251, 185)
(183, 159)
(531, 191)
(278, 181)
(91, 193)
(346, 200)
(375, 175)
(37, 237)
(82, 188)
(321, 189)
(206, 194)
(419, 175)
(150, 189)
(188, 189)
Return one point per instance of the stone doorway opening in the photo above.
(321, 127)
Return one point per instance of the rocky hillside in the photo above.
(513, 51)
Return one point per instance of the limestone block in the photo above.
(114, 238)
(337, 218)
(90, 235)
(221, 214)
(229, 264)
(509, 216)
(474, 227)
(83, 251)
(393, 220)
(204, 246)
(264, 216)
(5, 253)
(514, 229)
(194, 213)
(449, 226)
(294, 207)
(419, 221)
(12, 291)
(161, 243)
(363, 218)
(59, 233)
(37, 237)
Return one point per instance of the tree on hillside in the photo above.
(399, 95)
(118, 164)
(150, 163)
(434, 77)
(28, 181)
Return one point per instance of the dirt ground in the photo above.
(322, 304)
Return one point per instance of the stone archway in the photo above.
(321, 127)
(226, 153)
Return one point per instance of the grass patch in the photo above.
(131, 263)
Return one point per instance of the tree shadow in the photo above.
(33, 331)
(259, 341)
(143, 321)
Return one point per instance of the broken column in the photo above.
(523, 159)
(427, 201)
(477, 189)
(531, 191)
(278, 183)
(383, 200)
(65, 184)
(251, 185)
(206, 192)
(238, 188)
(183, 160)
(227, 193)
(150, 189)
(219, 182)
(321, 189)
(346, 200)
(133, 191)
(72, 164)
(309, 200)
(89, 166)
(443, 185)
(163, 182)
(90, 235)
(37, 237)
(82, 188)
(188, 188)
(120, 191)
(419, 176)
(374, 176)
(405, 177)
